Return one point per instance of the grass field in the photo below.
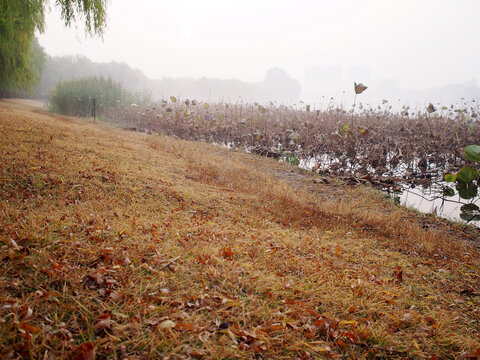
(122, 245)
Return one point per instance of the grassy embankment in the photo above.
(137, 246)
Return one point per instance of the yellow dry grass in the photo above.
(122, 245)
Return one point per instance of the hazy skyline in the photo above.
(416, 44)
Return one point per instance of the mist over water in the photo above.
(415, 52)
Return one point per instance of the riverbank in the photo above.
(125, 244)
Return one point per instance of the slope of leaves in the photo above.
(123, 245)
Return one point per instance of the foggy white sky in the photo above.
(418, 43)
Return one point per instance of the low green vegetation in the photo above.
(290, 159)
(467, 181)
(80, 97)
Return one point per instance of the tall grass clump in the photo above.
(78, 97)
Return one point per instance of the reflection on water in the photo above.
(428, 200)
(422, 191)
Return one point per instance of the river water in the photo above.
(428, 200)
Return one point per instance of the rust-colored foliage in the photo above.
(118, 245)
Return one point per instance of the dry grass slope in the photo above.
(123, 245)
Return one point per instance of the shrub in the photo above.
(76, 97)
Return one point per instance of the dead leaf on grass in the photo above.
(114, 296)
(474, 355)
(227, 253)
(196, 353)
(398, 274)
(25, 312)
(104, 321)
(186, 326)
(94, 280)
(85, 351)
(167, 324)
(29, 328)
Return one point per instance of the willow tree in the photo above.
(20, 55)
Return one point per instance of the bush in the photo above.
(75, 98)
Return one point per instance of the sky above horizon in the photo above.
(417, 44)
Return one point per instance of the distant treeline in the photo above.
(67, 68)
(276, 86)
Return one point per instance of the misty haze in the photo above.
(239, 179)
(418, 52)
